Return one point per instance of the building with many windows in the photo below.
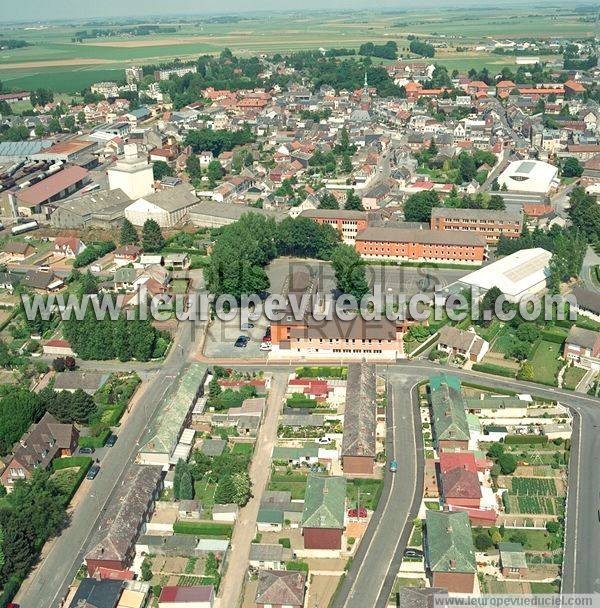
(492, 224)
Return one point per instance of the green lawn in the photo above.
(205, 492)
(545, 362)
(242, 448)
(573, 376)
(179, 286)
(370, 492)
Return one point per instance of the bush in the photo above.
(497, 370)
(95, 442)
(483, 542)
(508, 463)
(285, 543)
(322, 372)
(204, 528)
(553, 527)
(526, 439)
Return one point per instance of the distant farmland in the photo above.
(55, 60)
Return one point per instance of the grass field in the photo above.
(545, 362)
(55, 60)
(573, 377)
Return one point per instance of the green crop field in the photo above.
(54, 59)
(533, 486)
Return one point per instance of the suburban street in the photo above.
(581, 572)
(378, 557)
(260, 471)
(64, 555)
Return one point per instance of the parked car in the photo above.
(393, 466)
(86, 450)
(241, 342)
(323, 441)
(360, 512)
(413, 553)
(267, 339)
(93, 471)
(111, 441)
(247, 326)
(265, 346)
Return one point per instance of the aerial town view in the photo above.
(299, 304)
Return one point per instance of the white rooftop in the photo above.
(513, 274)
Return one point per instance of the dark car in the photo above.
(413, 553)
(241, 342)
(94, 470)
(86, 450)
(111, 441)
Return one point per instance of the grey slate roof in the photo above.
(360, 412)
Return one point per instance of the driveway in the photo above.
(260, 471)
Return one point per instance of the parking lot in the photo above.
(221, 335)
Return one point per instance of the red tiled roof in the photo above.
(200, 593)
(453, 460)
(477, 514)
(460, 483)
(51, 186)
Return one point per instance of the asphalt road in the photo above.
(591, 260)
(49, 582)
(389, 531)
(378, 557)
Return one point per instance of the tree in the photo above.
(161, 169)
(518, 350)
(495, 450)
(528, 332)
(496, 203)
(552, 526)
(328, 201)
(146, 570)
(572, 167)
(54, 126)
(69, 122)
(59, 364)
(467, 168)
(417, 207)
(129, 235)
(483, 542)
(519, 536)
(488, 302)
(181, 469)
(152, 238)
(186, 487)
(214, 171)
(39, 130)
(226, 491)
(496, 537)
(508, 463)
(346, 164)
(350, 273)
(353, 202)
(192, 167)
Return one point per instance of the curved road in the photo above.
(370, 579)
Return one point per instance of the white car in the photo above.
(323, 440)
(265, 346)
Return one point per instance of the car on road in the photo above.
(360, 512)
(111, 441)
(86, 450)
(393, 466)
(246, 326)
(265, 346)
(413, 553)
(94, 470)
(241, 342)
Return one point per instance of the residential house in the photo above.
(513, 562)
(40, 445)
(87, 381)
(126, 514)
(588, 303)
(360, 422)
(450, 551)
(323, 515)
(459, 480)
(42, 281)
(70, 247)
(104, 593)
(269, 557)
(18, 250)
(582, 345)
(127, 254)
(280, 588)
(450, 426)
(462, 342)
(197, 596)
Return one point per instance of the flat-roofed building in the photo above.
(347, 222)
(421, 246)
(529, 176)
(519, 275)
(100, 209)
(492, 224)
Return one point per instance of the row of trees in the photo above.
(152, 240)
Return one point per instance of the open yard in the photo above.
(545, 362)
(573, 376)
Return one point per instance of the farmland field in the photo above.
(533, 486)
(56, 59)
